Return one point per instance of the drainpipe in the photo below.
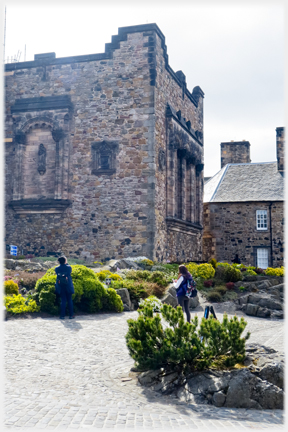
(271, 241)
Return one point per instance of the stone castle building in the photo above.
(244, 207)
(104, 153)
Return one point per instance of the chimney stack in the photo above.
(280, 144)
(235, 152)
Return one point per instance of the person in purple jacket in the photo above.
(181, 287)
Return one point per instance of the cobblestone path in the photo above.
(75, 374)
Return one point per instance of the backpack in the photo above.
(62, 280)
(191, 290)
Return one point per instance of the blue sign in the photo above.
(13, 250)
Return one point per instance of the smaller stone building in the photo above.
(244, 207)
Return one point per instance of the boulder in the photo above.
(10, 264)
(171, 290)
(193, 302)
(124, 264)
(125, 297)
(218, 399)
(251, 309)
(170, 299)
(256, 386)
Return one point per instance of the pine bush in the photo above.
(184, 346)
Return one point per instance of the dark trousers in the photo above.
(66, 297)
(183, 301)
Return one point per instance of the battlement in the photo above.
(47, 59)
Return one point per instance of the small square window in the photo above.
(261, 220)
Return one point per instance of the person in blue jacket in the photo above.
(65, 291)
(181, 287)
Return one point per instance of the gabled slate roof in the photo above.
(245, 182)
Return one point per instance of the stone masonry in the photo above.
(235, 152)
(234, 231)
(104, 153)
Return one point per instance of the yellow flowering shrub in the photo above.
(204, 271)
(275, 271)
(17, 304)
(103, 274)
(147, 262)
(10, 287)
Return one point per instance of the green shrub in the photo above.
(151, 301)
(93, 293)
(16, 304)
(214, 296)
(275, 271)
(90, 294)
(103, 274)
(221, 289)
(138, 274)
(158, 277)
(10, 287)
(139, 289)
(249, 273)
(230, 296)
(179, 345)
(112, 301)
(213, 262)
(232, 274)
(242, 288)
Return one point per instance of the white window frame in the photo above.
(262, 254)
(261, 220)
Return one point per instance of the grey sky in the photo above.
(234, 53)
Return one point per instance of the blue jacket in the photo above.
(66, 269)
(181, 291)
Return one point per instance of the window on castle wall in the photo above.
(261, 220)
(103, 159)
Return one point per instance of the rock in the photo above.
(125, 297)
(148, 377)
(124, 264)
(170, 300)
(263, 312)
(277, 314)
(267, 395)
(251, 309)
(126, 307)
(270, 303)
(239, 391)
(209, 382)
(193, 302)
(274, 373)
(10, 264)
(171, 290)
(218, 399)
